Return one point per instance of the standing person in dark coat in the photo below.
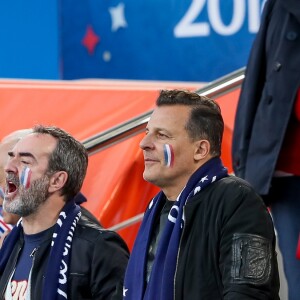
(266, 139)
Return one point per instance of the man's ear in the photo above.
(57, 181)
(202, 150)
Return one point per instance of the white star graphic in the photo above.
(118, 17)
(197, 190)
(204, 178)
(124, 291)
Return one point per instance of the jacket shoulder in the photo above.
(90, 231)
(232, 192)
(235, 185)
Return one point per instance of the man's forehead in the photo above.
(36, 143)
(163, 116)
(4, 148)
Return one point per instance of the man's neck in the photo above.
(172, 193)
(44, 218)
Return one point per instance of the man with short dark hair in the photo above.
(55, 252)
(206, 235)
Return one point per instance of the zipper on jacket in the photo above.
(12, 271)
(179, 248)
(33, 254)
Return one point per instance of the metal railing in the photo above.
(137, 125)
(117, 134)
(127, 222)
(224, 84)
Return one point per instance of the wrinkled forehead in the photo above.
(37, 144)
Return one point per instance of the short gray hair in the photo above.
(69, 155)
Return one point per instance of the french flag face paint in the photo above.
(169, 155)
(2, 193)
(25, 177)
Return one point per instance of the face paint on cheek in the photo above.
(2, 194)
(25, 177)
(169, 155)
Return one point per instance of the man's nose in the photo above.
(11, 166)
(146, 142)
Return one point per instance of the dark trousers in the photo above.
(284, 200)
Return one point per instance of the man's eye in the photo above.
(24, 162)
(161, 135)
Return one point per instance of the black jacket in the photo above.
(98, 261)
(268, 94)
(227, 250)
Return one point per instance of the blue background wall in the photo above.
(181, 40)
(29, 39)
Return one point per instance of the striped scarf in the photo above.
(161, 282)
(56, 275)
(3, 226)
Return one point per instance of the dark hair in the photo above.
(205, 121)
(69, 156)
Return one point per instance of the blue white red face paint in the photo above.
(169, 155)
(25, 177)
(2, 193)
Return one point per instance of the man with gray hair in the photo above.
(8, 220)
(55, 252)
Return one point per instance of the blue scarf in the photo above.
(161, 282)
(56, 276)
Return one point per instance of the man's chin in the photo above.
(9, 203)
(150, 178)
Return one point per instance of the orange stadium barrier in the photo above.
(114, 185)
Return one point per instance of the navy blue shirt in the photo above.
(20, 278)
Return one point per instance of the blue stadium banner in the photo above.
(178, 40)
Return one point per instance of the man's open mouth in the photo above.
(11, 187)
